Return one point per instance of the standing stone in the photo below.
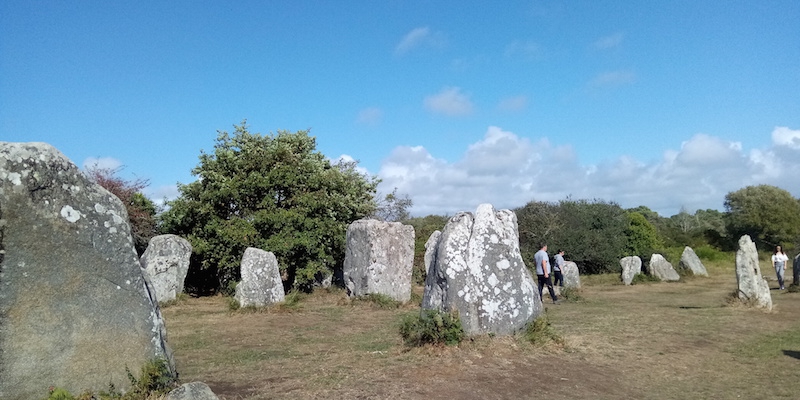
(261, 283)
(75, 307)
(631, 266)
(691, 262)
(430, 251)
(572, 278)
(379, 258)
(752, 287)
(662, 269)
(192, 391)
(479, 272)
(166, 263)
(796, 270)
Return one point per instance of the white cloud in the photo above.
(613, 78)
(783, 136)
(609, 42)
(508, 171)
(449, 101)
(418, 37)
(370, 116)
(102, 163)
(513, 104)
(162, 194)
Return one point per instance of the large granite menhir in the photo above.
(379, 257)
(166, 263)
(478, 271)
(752, 287)
(662, 269)
(572, 276)
(631, 266)
(691, 262)
(75, 307)
(261, 283)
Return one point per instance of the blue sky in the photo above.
(667, 104)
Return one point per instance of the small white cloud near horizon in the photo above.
(449, 101)
(162, 194)
(513, 103)
(609, 42)
(102, 163)
(371, 116)
(783, 136)
(613, 78)
(418, 37)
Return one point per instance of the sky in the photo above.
(666, 104)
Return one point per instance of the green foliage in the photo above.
(272, 192)
(541, 332)
(572, 294)
(432, 327)
(155, 378)
(643, 279)
(423, 228)
(60, 394)
(770, 215)
(592, 233)
(709, 253)
(393, 207)
(380, 300)
(141, 211)
(642, 236)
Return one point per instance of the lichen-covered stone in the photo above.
(478, 271)
(166, 263)
(631, 266)
(192, 391)
(75, 307)
(690, 261)
(662, 269)
(261, 283)
(752, 287)
(379, 258)
(572, 277)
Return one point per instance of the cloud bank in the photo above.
(508, 171)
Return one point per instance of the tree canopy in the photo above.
(275, 192)
(770, 215)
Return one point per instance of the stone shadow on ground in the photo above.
(792, 353)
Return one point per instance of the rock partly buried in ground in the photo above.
(166, 263)
(75, 307)
(379, 258)
(478, 271)
(662, 269)
(192, 391)
(752, 287)
(261, 283)
(690, 262)
(572, 277)
(631, 266)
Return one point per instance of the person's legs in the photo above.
(541, 281)
(550, 288)
(779, 272)
(559, 278)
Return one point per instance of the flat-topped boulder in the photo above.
(690, 262)
(752, 287)
(631, 266)
(261, 283)
(76, 310)
(166, 263)
(379, 257)
(662, 269)
(478, 272)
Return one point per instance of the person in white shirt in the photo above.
(779, 263)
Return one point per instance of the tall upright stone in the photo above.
(166, 263)
(572, 277)
(479, 272)
(379, 258)
(752, 287)
(631, 266)
(662, 269)
(75, 307)
(796, 270)
(691, 262)
(261, 283)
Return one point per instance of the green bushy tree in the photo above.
(274, 192)
(770, 215)
(643, 239)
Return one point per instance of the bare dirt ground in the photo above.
(648, 341)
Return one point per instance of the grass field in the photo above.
(648, 341)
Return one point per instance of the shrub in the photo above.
(571, 294)
(156, 378)
(541, 332)
(380, 300)
(644, 278)
(432, 327)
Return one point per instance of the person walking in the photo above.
(542, 261)
(558, 269)
(779, 259)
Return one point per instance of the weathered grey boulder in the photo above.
(796, 270)
(261, 283)
(631, 266)
(572, 277)
(75, 307)
(752, 287)
(479, 272)
(378, 259)
(690, 261)
(430, 251)
(662, 269)
(192, 391)
(166, 263)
